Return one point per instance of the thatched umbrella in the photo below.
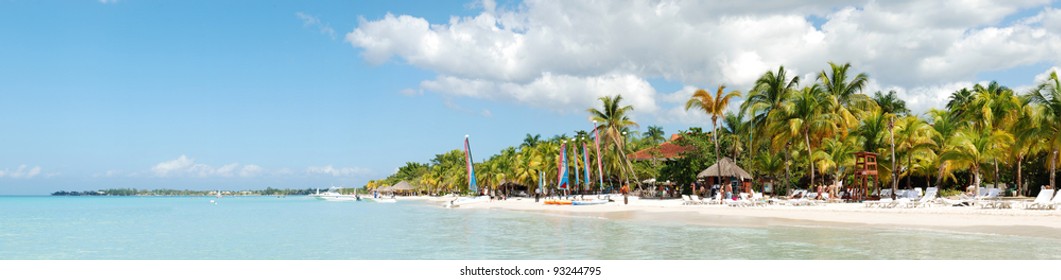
(402, 186)
(724, 168)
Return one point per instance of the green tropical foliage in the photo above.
(792, 136)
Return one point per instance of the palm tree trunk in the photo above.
(1020, 179)
(895, 179)
(787, 159)
(810, 156)
(714, 134)
(996, 172)
(909, 170)
(1053, 168)
(939, 180)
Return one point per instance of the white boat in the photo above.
(332, 195)
(466, 200)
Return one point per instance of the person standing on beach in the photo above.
(625, 189)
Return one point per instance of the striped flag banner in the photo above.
(471, 167)
(585, 163)
(561, 180)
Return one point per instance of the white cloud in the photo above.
(314, 22)
(336, 172)
(561, 55)
(411, 92)
(184, 166)
(108, 1)
(250, 170)
(22, 172)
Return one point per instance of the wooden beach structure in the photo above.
(865, 171)
(726, 168)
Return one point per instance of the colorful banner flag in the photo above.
(561, 180)
(585, 164)
(541, 182)
(471, 167)
(575, 164)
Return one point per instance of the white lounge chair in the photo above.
(686, 200)
(929, 199)
(1042, 201)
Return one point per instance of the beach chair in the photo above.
(929, 198)
(904, 202)
(696, 199)
(1042, 201)
(686, 200)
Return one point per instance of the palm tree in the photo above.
(997, 108)
(611, 122)
(959, 103)
(1028, 137)
(915, 138)
(972, 147)
(768, 97)
(764, 105)
(836, 155)
(946, 125)
(713, 106)
(890, 103)
(770, 165)
(848, 94)
(1048, 95)
(810, 112)
(530, 141)
(734, 128)
(654, 135)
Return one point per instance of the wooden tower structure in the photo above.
(865, 168)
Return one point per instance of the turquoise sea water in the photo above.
(302, 228)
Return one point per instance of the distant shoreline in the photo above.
(173, 192)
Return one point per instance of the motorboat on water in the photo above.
(332, 195)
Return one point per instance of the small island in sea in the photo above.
(173, 192)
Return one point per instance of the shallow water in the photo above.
(303, 228)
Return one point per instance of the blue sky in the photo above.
(250, 94)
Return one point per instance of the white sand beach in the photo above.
(1017, 221)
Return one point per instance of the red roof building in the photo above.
(665, 151)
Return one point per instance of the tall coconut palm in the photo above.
(915, 139)
(654, 135)
(530, 141)
(611, 122)
(1048, 95)
(714, 106)
(972, 147)
(1028, 137)
(848, 93)
(996, 107)
(809, 114)
(891, 103)
(764, 105)
(769, 164)
(958, 103)
(946, 126)
(734, 129)
(836, 155)
(767, 98)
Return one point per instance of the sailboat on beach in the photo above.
(471, 181)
